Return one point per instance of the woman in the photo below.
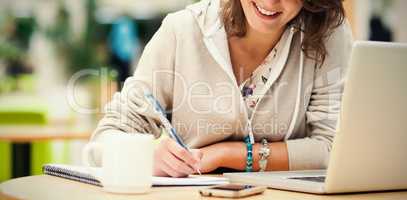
(228, 70)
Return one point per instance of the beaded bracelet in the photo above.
(249, 160)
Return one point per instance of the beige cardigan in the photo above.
(187, 67)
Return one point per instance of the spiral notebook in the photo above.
(90, 175)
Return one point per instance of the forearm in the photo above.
(236, 154)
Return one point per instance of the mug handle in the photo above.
(89, 150)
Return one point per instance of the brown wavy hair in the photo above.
(318, 17)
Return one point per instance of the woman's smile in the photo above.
(270, 16)
(267, 14)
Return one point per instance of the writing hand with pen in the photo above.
(170, 159)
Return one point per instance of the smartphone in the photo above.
(232, 190)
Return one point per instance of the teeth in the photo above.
(264, 11)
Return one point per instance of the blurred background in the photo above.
(62, 60)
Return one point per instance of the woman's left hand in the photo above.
(212, 157)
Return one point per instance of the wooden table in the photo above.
(24, 133)
(47, 187)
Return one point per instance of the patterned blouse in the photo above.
(252, 88)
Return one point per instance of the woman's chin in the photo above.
(265, 29)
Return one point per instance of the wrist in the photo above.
(222, 150)
(234, 155)
(218, 152)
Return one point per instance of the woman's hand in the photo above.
(170, 159)
(224, 154)
(212, 157)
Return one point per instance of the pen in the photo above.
(167, 125)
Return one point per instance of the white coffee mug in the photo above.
(127, 161)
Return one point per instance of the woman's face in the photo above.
(267, 16)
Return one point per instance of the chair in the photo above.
(22, 159)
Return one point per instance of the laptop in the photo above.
(369, 151)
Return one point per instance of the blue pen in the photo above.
(167, 125)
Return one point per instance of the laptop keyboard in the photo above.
(319, 179)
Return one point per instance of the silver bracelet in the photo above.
(264, 153)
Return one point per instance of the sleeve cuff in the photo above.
(307, 153)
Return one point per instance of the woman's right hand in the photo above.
(170, 159)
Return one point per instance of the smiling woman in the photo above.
(319, 16)
(252, 85)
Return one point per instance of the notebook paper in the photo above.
(90, 175)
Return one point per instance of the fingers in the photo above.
(173, 160)
(171, 172)
(197, 154)
(177, 165)
(181, 153)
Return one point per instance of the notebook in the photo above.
(90, 175)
